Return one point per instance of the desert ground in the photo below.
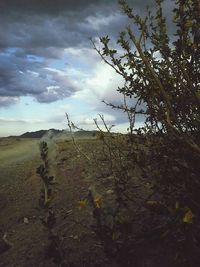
(21, 215)
(25, 240)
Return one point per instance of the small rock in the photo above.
(75, 237)
(67, 213)
(26, 220)
(109, 192)
(4, 244)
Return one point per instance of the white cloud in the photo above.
(14, 120)
(99, 21)
(6, 101)
(102, 84)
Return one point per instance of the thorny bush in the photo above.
(153, 172)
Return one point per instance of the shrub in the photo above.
(155, 169)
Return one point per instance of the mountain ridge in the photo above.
(40, 133)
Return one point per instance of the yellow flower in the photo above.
(82, 203)
(98, 202)
(188, 23)
(188, 217)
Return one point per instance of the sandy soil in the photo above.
(20, 213)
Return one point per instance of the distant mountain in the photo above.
(40, 133)
(58, 134)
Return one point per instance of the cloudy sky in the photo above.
(48, 65)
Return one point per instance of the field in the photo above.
(21, 215)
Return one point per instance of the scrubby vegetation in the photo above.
(153, 171)
(128, 199)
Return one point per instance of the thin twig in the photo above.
(73, 139)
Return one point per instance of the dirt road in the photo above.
(16, 150)
(19, 193)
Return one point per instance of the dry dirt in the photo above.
(27, 239)
(21, 215)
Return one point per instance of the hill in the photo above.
(58, 134)
(40, 133)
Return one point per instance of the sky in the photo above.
(48, 65)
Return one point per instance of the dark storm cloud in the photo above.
(61, 23)
(55, 6)
(49, 6)
(43, 28)
(22, 28)
(20, 77)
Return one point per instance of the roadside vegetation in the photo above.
(153, 171)
(124, 199)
